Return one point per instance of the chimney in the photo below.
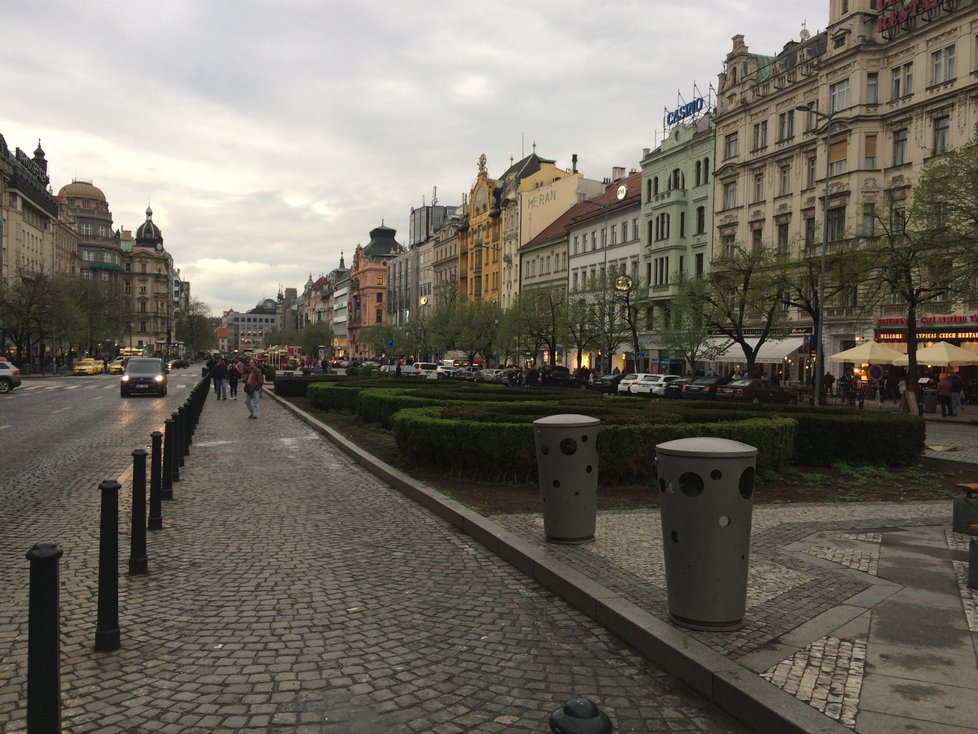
(617, 173)
(574, 163)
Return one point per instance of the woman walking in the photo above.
(252, 388)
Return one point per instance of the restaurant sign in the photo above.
(896, 16)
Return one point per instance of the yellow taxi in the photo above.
(87, 366)
(118, 365)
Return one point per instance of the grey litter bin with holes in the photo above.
(706, 489)
(567, 466)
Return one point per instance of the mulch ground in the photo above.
(928, 480)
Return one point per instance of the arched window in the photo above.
(699, 169)
(706, 170)
(655, 186)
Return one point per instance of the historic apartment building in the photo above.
(36, 229)
(899, 84)
(368, 288)
(148, 284)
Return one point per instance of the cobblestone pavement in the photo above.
(289, 590)
(814, 574)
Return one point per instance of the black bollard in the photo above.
(167, 485)
(177, 457)
(178, 444)
(155, 483)
(44, 642)
(580, 716)
(137, 535)
(107, 626)
(184, 411)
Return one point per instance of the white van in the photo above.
(426, 370)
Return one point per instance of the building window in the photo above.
(758, 187)
(730, 146)
(839, 96)
(838, 156)
(614, 234)
(782, 238)
(942, 65)
(869, 161)
(837, 223)
(786, 125)
(682, 224)
(901, 81)
(809, 231)
(142, 327)
(699, 263)
(942, 134)
(756, 237)
(727, 243)
(760, 135)
(810, 167)
(869, 220)
(811, 120)
(900, 147)
(86, 230)
(872, 88)
(706, 170)
(898, 219)
(379, 316)
(729, 194)
(88, 256)
(104, 275)
(699, 172)
(785, 179)
(700, 219)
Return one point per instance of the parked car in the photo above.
(118, 365)
(467, 373)
(674, 389)
(558, 376)
(507, 376)
(703, 388)
(9, 376)
(143, 375)
(179, 363)
(426, 370)
(625, 386)
(444, 372)
(605, 383)
(87, 366)
(484, 375)
(756, 390)
(653, 386)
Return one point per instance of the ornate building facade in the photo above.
(367, 304)
(890, 88)
(149, 287)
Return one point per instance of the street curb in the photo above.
(738, 691)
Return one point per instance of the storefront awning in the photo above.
(774, 351)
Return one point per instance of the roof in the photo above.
(82, 190)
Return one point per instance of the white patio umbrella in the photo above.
(942, 354)
(868, 353)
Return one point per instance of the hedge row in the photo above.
(627, 453)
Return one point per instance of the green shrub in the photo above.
(333, 396)
(378, 405)
(293, 386)
(826, 437)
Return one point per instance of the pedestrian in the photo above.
(956, 385)
(220, 377)
(828, 381)
(908, 400)
(944, 389)
(397, 370)
(253, 388)
(234, 374)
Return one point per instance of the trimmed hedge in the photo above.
(626, 452)
(333, 396)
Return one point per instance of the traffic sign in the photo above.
(390, 343)
(875, 372)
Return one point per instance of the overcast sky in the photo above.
(269, 137)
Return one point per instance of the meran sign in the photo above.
(896, 16)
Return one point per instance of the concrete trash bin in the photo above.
(706, 489)
(930, 401)
(567, 466)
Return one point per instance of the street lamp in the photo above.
(819, 328)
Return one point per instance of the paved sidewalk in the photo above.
(860, 611)
(292, 591)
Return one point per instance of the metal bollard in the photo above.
(188, 426)
(107, 626)
(155, 484)
(137, 534)
(167, 486)
(44, 641)
(580, 716)
(179, 444)
(176, 453)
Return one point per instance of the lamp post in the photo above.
(819, 328)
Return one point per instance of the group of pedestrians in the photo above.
(227, 374)
(949, 394)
